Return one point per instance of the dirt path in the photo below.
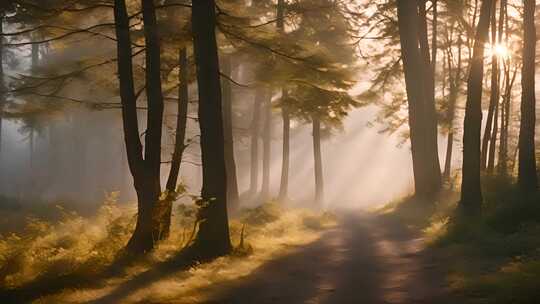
(366, 259)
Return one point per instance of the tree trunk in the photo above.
(2, 86)
(494, 97)
(493, 141)
(502, 165)
(233, 198)
(255, 133)
(432, 164)
(420, 109)
(319, 182)
(455, 80)
(527, 178)
(284, 185)
(471, 192)
(145, 171)
(179, 143)
(213, 236)
(265, 187)
(285, 115)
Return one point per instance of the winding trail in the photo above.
(366, 259)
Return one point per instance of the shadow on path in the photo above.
(367, 259)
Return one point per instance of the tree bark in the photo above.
(527, 178)
(317, 156)
(421, 120)
(267, 129)
(471, 192)
(233, 198)
(255, 133)
(179, 143)
(213, 235)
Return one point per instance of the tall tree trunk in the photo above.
(213, 236)
(317, 156)
(255, 133)
(233, 198)
(179, 143)
(495, 130)
(471, 192)
(145, 170)
(2, 86)
(527, 178)
(494, 97)
(430, 112)
(502, 165)
(285, 115)
(455, 80)
(420, 109)
(285, 162)
(493, 140)
(265, 187)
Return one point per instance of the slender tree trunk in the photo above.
(265, 188)
(213, 236)
(255, 133)
(494, 97)
(471, 192)
(319, 182)
(179, 143)
(455, 80)
(284, 185)
(493, 141)
(527, 178)
(233, 198)
(505, 122)
(422, 124)
(285, 115)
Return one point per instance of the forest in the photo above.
(269, 151)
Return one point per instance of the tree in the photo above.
(494, 96)
(180, 138)
(527, 178)
(285, 115)
(213, 235)
(471, 192)
(233, 197)
(421, 110)
(145, 170)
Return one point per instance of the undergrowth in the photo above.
(79, 248)
(492, 259)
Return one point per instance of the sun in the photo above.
(500, 50)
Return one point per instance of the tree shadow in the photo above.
(47, 283)
(341, 262)
(185, 259)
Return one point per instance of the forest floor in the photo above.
(406, 252)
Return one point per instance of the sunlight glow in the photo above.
(499, 50)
